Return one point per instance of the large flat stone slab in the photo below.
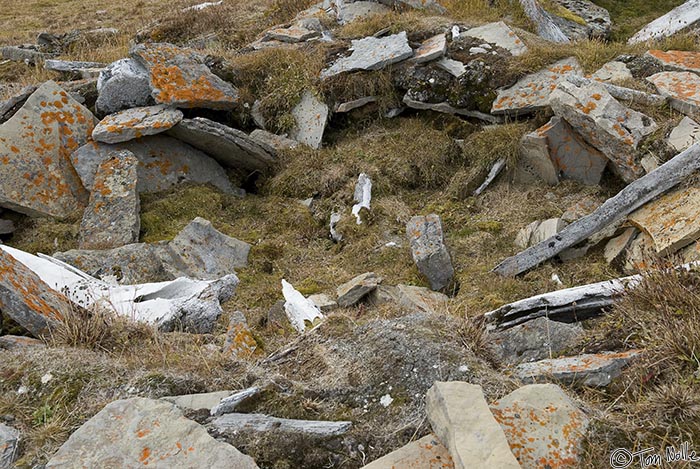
(230, 147)
(500, 34)
(112, 217)
(685, 134)
(612, 72)
(431, 49)
(462, 420)
(311, 116)
(163, 163)
(596, 370)
(678, 19)
(178, 77)
(532, 92)
(135, 123)
(122, 85)
(604, 123)
(429, 251)
(28, 300)
(544, 427)
(682, 89)
(677, 60)
(372, 53)
(36, 176)
(425, 453)
(351, 292)
(672, 220)
(142, 432)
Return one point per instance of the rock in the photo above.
(410, 299)
(676, 60)
(311, 116)
(27, 54)
(454, 67)
(349, 12)
(163, 163)
(682, 89)
(178, 77)
(229, 403)
(239, 341)
(230, 147)
(461, 419)
(431, 49)
(613, 72)
(538, 231)
(13, 104)
(534, 161)
(616, 247)
(6, 227)
(500, 34)
(204, 401)
(640, 250)
(36, 176)
(354, 104)
(138, 431)
(292, 34)
(277, 142)
(350, 293)
(595, 19)
(9, 446)
(534, 340)
(202, 252)
(372, 53)
(544, 427)
(135, 123)
(122, 85)
(260, 423)
(112, 217)
(192, 305)
(672, 220)
(685, 134)
(363, 196)
(298, 309)
(604, 123)
(681, 17)
(28, 300)
(14, 342)
(323, 302)
(532, 92)
(425, 453)
(127, 265)
(572, 157)
(595, 370)
(448, 109)
(429, 251)
(73, 68)
(580, 209)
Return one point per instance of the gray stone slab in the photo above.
(372, 53)
(135, 123)
(429, 251)
(311, 116)
(500, 34)
(122, 85)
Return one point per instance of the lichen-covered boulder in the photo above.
(122, 85)
(36, 175)
(135, 123)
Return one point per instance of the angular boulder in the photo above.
(145, 432)
(544, 427)
(595, 370)
(612, 128)
(425, 453)
(681, 88)
(581, 19)
(178, 77)
(27, 299)
(311, 116)
(9, 445)
(672, 220)
(293, 34)
(163, 163)
(500, 34)
(268, 139)
(538, 231)
(135, 123)
(685, 134)
(112, 217)
(463, 422)
(431, 49)
(534, 340)
(239, 342)
(230, 147)
(532, 92)
(122, 85)
(429, 251)
(75, 69)
(677, 60)
(410, 299)
(372, 53)
(36, 175)
(350, 293)
(614, 71)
